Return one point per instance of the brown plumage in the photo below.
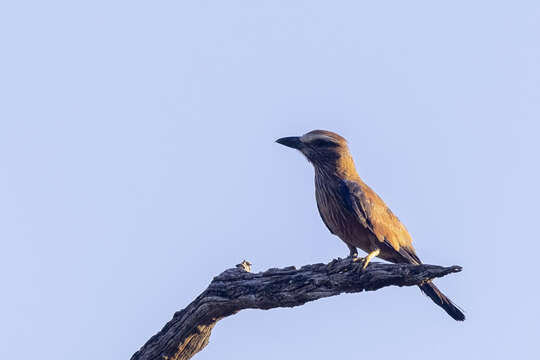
(354, 212)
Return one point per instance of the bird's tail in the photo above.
(440, 299)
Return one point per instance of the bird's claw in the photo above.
(370, 256)
(361, 263)
(365, 261)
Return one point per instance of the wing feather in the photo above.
(379, 219)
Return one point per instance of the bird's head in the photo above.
(324, 149)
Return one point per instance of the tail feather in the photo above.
(440, 299)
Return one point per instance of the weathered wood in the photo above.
(235, 289)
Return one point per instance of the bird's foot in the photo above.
(354, 257)
(370, 256)
(365, 261)
(357, 259)
(361, 261)
(359, 264)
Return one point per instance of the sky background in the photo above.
(137, 161)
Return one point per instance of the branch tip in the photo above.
(244, 265)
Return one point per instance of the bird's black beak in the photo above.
(291, 141)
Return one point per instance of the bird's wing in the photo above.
(379, 219)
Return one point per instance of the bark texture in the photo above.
(235, 289)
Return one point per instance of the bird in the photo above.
(352, 211)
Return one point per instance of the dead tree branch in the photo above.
(235, 289)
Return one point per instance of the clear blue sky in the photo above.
(137, 161)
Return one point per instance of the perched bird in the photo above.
(354, 212)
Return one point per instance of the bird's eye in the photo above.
(323, 143)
